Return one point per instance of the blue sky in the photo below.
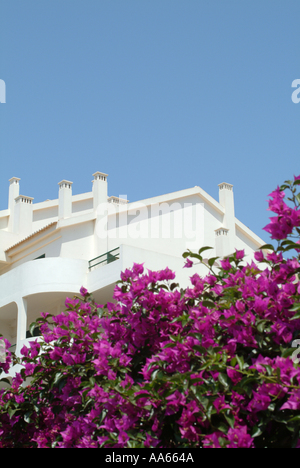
(162, 95)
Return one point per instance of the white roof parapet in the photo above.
(186, 193)
(100, 176)
(65, 184)
(24, 199)
(221, 231)
(14, 180)
(225, 185)
(117, 200)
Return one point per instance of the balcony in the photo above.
(48, 275)
(105, 259)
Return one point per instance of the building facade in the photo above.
(49, 250)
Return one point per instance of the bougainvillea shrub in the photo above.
(214, 365)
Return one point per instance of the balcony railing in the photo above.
(105, 259)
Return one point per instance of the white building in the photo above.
(49, 250)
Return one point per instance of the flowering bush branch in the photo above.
(209, 366)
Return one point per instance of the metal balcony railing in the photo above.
(105, 259)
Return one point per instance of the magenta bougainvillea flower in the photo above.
(83, 291)
(211, 366)
(188, 263)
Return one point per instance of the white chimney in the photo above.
(14, 192)
(23, 215)
(222, 242)
(65, 199)
(99, 189)
(227, 201)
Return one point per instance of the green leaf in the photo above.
(200, 348)
(157, 374)
(223, 442)
(27, 417)
(164, 286)
(142, 395)
(221, 426)
(296, 316)
(203, 400)
(203, 249)
(212, 260)
(295, 419)
(5, 380)
(269, 369)
(224, 379)
(61, 384)
(230, 419)
(208, 304)
(58, 376)
(267, 247)
(232, 317)
(288, 352)
(12, 411)
(261, 325)
(32, 328)
(169, 345)
(240, 361)
(233, 362)
(186, 254)
(247, 380)
(194, 255)
(271, 407)
(288, 242)
(291, 247)
(256, 432)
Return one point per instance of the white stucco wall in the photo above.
(49, 274)
(154, 232)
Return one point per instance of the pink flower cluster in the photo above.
(287, 218)
(209, 366)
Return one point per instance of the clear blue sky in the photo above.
(162, 95)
